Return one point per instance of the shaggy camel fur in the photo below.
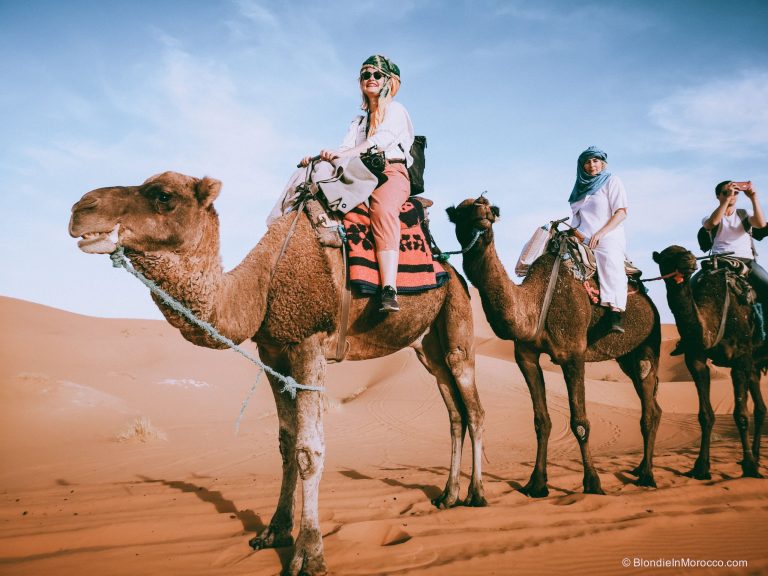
(290, 307)
(698, 313)
(573, 334)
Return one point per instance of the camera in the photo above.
(743, 185)
(373, 160)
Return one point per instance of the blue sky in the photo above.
(508, 93)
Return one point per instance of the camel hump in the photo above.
(425, 202)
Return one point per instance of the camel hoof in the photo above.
(475, 501)
(444, 502)
(592, 486)
(646, 480)
(315, 569)
(698, 474)
(751, 472)
(535, 491)
(268, 540)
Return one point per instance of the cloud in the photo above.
(727, 117)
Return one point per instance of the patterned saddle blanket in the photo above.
(416, 270)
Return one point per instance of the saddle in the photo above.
(736, 274)
(417, 269)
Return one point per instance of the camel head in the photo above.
(676, 263)
(471, 216)
(168, 212)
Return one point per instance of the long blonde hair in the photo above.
(376, 115)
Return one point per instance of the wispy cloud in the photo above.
(727, 116)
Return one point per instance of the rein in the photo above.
(550, 291)
(443, 256)
(676, 275)
(289, 384)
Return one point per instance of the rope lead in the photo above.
(289, 384)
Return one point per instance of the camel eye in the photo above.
(163, 197)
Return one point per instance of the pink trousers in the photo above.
(386, 201)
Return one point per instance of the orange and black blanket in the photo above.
(416, 270)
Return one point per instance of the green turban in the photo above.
(383, 65)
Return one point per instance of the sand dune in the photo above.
(120, 456)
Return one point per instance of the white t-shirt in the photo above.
(731, 237)
(593, 212)
(394, 131)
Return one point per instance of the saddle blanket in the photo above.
(416, 270)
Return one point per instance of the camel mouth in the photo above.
(484, 224)
(99, 242)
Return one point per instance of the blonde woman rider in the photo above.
(387, 127)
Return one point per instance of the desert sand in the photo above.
(120, 455)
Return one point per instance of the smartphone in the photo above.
(743, 185)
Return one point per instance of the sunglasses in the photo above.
(367, 75)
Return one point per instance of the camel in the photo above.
(699, 313)
(572, 335)
(289, 305)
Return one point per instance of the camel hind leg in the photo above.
(641, 365)
(741, 374)
(448, 352)
(451, 362)
(759, 413)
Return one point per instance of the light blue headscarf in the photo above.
(587, 185)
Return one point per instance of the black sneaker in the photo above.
(616, 319)
(679, 349)
(389, 300)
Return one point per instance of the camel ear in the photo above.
(451, 211)
(656, 257)
(495, 211)
(207, 190)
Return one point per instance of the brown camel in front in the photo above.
(572, 335)
(699, 313)
(289, 306)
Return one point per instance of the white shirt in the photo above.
(731, 237)
(593, 212)
(394, 131)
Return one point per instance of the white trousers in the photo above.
(610, 271)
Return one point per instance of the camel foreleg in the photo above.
(528, 361)
(697, 365)
(278, 533)
(573, 370)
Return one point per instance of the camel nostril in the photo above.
(85, 203)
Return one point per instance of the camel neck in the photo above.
(506, 305)
(691, 316)
(234, 302)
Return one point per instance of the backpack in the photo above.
(706, 237)
(416, 170)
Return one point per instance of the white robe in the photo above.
(589, 215)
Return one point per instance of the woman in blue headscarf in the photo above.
(599, 206)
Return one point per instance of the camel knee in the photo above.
(706, 419)
(309, 461)
(742, 420)
(543, 425)
(645, 368)
(580, 428)
(456, 359)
